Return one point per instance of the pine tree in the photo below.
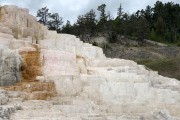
(103, 16)
(55, 22)
(43, 15)
(119, 11)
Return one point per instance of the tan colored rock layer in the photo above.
(34, 90)
(31, 67)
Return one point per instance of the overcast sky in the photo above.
(70, 9)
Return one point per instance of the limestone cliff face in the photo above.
(76, 78)
(19, 23)
(18, 31)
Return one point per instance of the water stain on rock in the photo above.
(30, 88)
(31, 67)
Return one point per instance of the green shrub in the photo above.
(178, 44)
(95, 43)
(105, 47)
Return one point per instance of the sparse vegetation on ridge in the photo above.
(165, 67)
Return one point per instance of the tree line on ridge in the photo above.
(159, 23)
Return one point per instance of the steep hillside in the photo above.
(164, 59)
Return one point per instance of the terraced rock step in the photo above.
(7, 110)
(79, 109)
(32, 90)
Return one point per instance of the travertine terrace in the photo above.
(50, 76)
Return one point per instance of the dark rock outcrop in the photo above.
(9, 68)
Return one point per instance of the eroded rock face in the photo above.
(9, 68)
(3, 97)
(63, 78)
(19, 23)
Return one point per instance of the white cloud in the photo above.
(70, 9)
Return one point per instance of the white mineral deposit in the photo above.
(50, 76)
